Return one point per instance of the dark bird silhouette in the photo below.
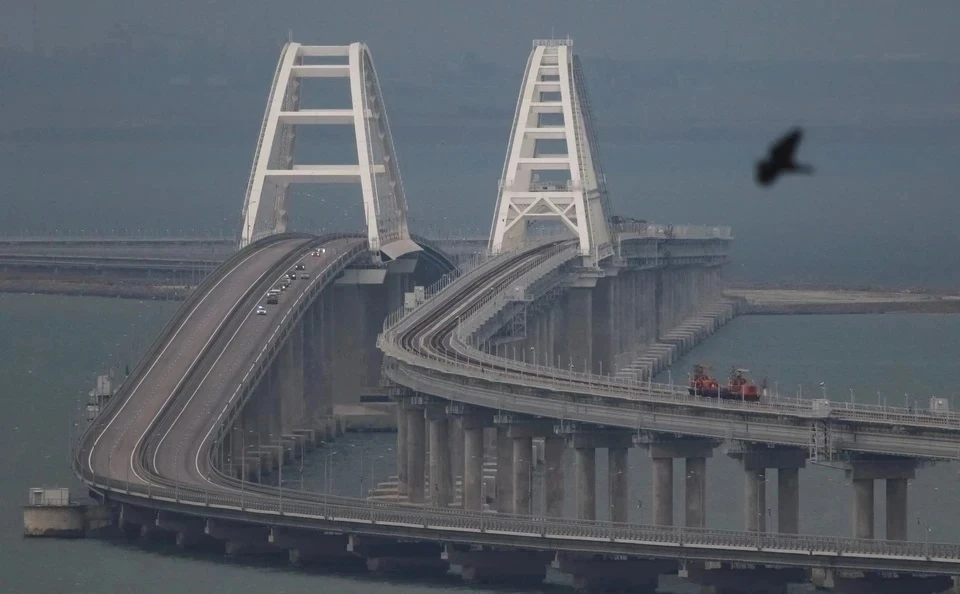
(780, 159)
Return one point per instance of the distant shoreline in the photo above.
(817, 301)
(752, 301)
(138, 291)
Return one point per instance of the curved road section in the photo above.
(164, 414)
(151, 446)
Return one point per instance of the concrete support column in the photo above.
(755, 460)
(573, 344)
(603, 323)
(788, 500)
(755, 500)
(455, 429)
(896, 509)
(472, 468)
(522, 474)
(554, 448)
(416, 451)
(863, 508)
(896, 472)
(695, 489)
(663, 491)
(402, 452)
(504, 471)
(439, 462)
(586, 472)
(617, 482)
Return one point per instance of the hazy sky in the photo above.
(687, 95)
(744, 30)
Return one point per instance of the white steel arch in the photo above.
(377, 170)
(553, 105)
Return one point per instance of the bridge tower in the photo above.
(552, 173)
(377, 170)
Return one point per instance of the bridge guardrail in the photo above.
(297, 505)
(556, 378)
(186, 307)
(277, 338)
(480, 261)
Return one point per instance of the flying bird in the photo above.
(780, 159)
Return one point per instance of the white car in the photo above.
(261, 310)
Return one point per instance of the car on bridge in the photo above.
(318, 252)
(299, 266)
(261, 310)
(304, 276)
(273, 299)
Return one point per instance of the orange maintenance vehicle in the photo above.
(737, 388)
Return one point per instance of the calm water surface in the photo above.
(51, 348)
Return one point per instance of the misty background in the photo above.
(127, 116)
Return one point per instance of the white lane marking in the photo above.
(189, 400)
(176, 388)
(160, 355)
(216, 422)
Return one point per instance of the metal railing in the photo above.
(479, 262)
(475, 363)
(628, 230)
(534, 531)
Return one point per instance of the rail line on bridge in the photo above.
(430, 351)
(217, 495)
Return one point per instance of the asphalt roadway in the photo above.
(185, 387)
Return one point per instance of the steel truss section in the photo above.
(377, 172)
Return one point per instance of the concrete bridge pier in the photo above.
(240, 539)
(189, 530)
(553, 460)
(521, 432)
(474, 422)
(416, 452)
(573, 340)
(456, 443)
(695, 453)
(504, 483)
(492, 566)
(896, 472)
(402, 455)
(603, 315)
(290, 367)
(585, 446)
(868, 582)
(593, 574)
(310, 548)
(318, 388)
(724, 578)
(441, 480)
(756, 459)
(388, 556)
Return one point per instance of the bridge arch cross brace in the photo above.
(555, 183)
(376, 171)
